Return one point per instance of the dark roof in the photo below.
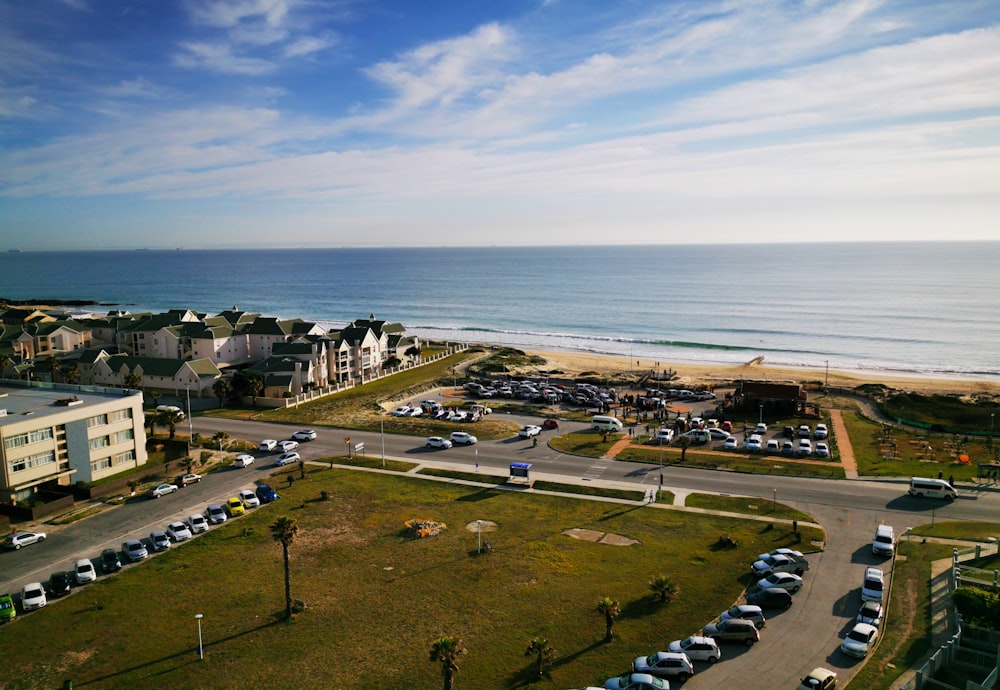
(768, 390)
(293, 348)
(276, 364)
(161, 366)
(268, 325)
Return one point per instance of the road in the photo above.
(792, 643)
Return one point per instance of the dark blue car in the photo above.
(266, 494)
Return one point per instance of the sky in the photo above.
(328, 123)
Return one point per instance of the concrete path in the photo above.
(844, 446)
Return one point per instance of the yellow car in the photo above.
(234, 507)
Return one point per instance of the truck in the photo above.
(780, 563)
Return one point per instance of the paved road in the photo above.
(792, 643)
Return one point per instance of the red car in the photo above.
(550, 424)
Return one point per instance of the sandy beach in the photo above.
(573, 363)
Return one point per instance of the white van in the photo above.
(884, 541)
(699, 435)
(602, 423)
(171, 408)
(932, 488)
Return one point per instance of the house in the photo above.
(52, 337)
(56, 437)
(355, 354)
(160, 374)
(265, 332)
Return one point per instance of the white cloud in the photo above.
(230, 13)
(219, 57)
(307, 45)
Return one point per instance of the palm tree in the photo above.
(283, 531)
(152, 419)
(187, 464)
(543, 652)
(70, 374)
(133, 380)
(611, 610)
(447, 650)
(664, 588)
(170, 419)
(684, 442)
(223, 389)
(249, 383)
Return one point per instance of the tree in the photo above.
(446, 650)
(70, 374)
(413, 351)
(169, 418)
(664, 588)
(133, 484)
(187, 464)
(223, 389)
(611, 610)
(51, 365)
(152, 419)
(5, 361)
(284, 531)
(249, 383)
(133, 380)
(220, 437)
(543, 652)
(684, 442)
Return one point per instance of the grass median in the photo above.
(375, 599)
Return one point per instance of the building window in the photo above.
(99, 442)
(26, 438)
(122, 436)
(36, 460)
(123, 458)
(97, 420)
(121, 415)
(101, 464)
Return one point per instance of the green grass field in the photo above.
(376, 599)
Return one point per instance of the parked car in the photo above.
(697, 648)
(234, 507)
(59, 584)
(789, 581)
(783, 551)
(805, 431)
(7, 610)
(870, 613)
(772, 446)
(732, 630)
(779, 564)
(873, 585)
(716, 434)
(819, 679)
(746, 612)
(215, 514)
(636, 681)
(159, 540)
(753, 443)
(197, 524)
(84, 571)
(770, 598)
(17, 540)
(33, 596)
(805, 447)
(110, 563)
(821, 431)
(551, 424)
(437, 442)
(189, 478)
(730, 444)
(162, 490)
(788, 448)
(463, 438)
(529, 430)
(859, 641)
(664, 436)
(822, 450)
(414, 412)
(788, 432)
(178, 531)
(134, 550)
(286, 459)
(267, 445)
(285, 446)
(266, 494)
(243, 460)
(401, 411)
(304, 435)
(665, 665)
(761, 428)
(884, 542)
(249, 498)
(172, 409)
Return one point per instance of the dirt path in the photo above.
(847, 459)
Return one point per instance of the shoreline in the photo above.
(575, 363)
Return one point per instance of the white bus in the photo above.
(931, 488)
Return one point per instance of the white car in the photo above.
(665, 665)
(698, 648)
(822, 450)
(286, 459)
(717, 434)
(870, 613)
(772, 446)
(16, 541)
(805, 447)
(171, 408)
(746, 612)
(304, 435)
(401, 411)
(243, 460)
(437, 442)
(163, 490)
(178, 531)
(730, 444)
(249, 498)
(636, 681)
(819, 679)
(267, 445)
(198, 524)
(782, 551)
(789, 581)
(761, 428)
(821, 431)
(753, 443)
(859, 641)
(285, 446)
(84, 571)
(529, 431)
(873, 586)
(33, 596)
(414, 412)
(463, 438)
(664, 436)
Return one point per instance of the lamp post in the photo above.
(201, 649)
(760, 418)
(381, 431)
(908, 530)
(479, 527)
(187, 388)
(659, 487)
(774, 500)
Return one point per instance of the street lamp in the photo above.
(774, 500)
(201, 649)
(187, 387)
(760, 419)
(479, 526)
(991, 429)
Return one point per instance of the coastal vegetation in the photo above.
(351, 557)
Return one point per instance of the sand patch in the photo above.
(488, 526)
(600, 537)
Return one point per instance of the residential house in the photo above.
(160, 374)
(265, 332)
(56, 337)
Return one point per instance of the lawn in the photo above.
(376, 599)
(734, 462)
(750, 506)
(896, 452)
(969, 530)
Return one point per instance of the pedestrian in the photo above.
(951, 480)
(940, 475)
(291, 480)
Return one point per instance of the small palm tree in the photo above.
(664, 588)
(284, 531)
(133, 380)
(187, 464)
(684, 442)
(222, 389)
(170, 419)
(70, 374)
(446, 650)
(543, 652)
(611, 610)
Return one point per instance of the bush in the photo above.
(977, 606)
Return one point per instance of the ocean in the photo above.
(922, 308)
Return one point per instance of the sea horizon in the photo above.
(923, 309)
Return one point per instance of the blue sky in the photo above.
(280, 123)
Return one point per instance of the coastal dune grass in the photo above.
(374, 599)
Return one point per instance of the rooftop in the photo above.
(21, 401)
